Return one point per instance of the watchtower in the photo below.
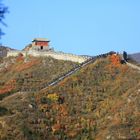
(40, 44)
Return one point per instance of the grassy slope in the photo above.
(101, 101)
(40, 70)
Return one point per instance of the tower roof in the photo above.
(40, 39)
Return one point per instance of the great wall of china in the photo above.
(40, 48)
(83, 61)
(67, 74)
(53, 54)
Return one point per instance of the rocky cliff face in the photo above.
(4, 50)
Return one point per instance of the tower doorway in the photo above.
(41, 47)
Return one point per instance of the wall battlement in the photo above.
(53, 54)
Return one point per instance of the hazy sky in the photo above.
(75, 26)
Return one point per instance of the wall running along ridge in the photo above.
(53, 54)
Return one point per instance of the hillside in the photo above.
(100, 101)
(22, 74)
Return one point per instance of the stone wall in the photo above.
(53, 54)
(15, 53)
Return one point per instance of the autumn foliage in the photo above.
(93, 101)
(115, 60)
(8, 87)
(53, 97)
(100, 101)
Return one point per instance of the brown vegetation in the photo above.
(100, 101)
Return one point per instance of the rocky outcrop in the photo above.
(4, 50)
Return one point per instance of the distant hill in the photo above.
(135, 56)
(4, 50)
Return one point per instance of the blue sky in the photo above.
(75, 26)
